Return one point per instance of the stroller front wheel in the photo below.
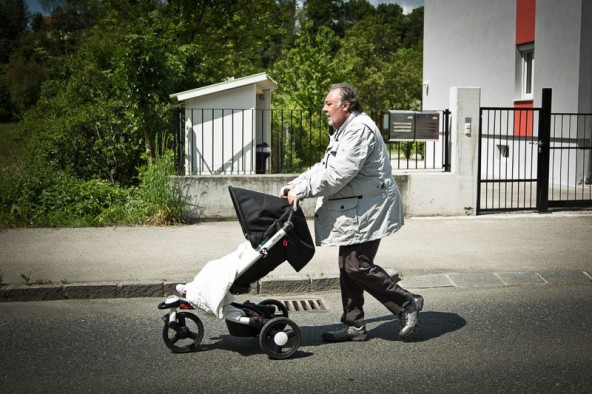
(184, 334)
(280, 338)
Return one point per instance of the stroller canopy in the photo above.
(262, 215)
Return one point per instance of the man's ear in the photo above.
(345, 105)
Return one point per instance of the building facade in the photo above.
(511, 49)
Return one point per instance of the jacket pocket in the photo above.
(344, 218)
(342, 204)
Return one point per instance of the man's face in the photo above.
(336, 111)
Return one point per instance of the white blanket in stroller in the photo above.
(209, 290)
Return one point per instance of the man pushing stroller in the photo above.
(358, 205)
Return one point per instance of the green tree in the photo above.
(306, 72)
(13, 24)
(69, 20)
(324, 13)
(23, 80)
(145, 70)
(304, 75)
(414, 31)
(338, 15)
(386, 73)
(226, 38)
(111, 95)
(82, 123)
(356, 10)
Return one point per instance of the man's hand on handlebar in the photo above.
(289, 194)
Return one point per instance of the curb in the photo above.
(75, 291)
(100, 290)
(282, 286)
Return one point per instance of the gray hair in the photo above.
(348, 93)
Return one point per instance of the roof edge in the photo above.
(226, 85)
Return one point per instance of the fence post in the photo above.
(446, 164)
(544, 152)
(465, 104)
(179, 133)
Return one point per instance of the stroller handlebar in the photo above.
(286, 228)
(288, 225)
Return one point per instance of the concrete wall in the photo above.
(423, 193)
(207, 197)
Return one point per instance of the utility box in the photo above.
(401, 125)
(412, 125)
(427, 125)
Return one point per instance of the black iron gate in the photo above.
(530, 159)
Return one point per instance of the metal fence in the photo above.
(508, 159)
(570, 171)
(276, 141)
(530, 159)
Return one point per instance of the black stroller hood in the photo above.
(262, 215)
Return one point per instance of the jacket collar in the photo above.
(344, 125)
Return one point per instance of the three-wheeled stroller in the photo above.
(275, 233)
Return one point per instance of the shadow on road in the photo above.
(432, 325)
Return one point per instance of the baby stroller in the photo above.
(275, 233)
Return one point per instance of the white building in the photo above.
(511, 50)
(224, 123)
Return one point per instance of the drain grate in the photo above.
(305, 305)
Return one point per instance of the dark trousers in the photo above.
(358, 273)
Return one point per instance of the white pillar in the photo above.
(465, 104)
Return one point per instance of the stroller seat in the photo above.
(262, 309)
(261, 216)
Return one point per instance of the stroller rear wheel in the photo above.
(280, 308)
(280, 338)
(184, 334)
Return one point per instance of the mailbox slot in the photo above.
(412, 125)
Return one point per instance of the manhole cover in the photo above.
(305, 305)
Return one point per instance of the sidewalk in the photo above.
(491, 250)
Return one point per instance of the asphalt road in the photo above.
(532, 338)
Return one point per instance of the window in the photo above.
(527, 70)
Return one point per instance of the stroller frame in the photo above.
(279, 337)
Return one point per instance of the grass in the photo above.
(26, 279)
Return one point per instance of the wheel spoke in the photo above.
(174, 339)
(192, 335)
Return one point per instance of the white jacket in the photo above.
(359, 200)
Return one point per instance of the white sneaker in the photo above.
(410, 316)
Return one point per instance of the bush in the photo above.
(44, 198)
(156, 201)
